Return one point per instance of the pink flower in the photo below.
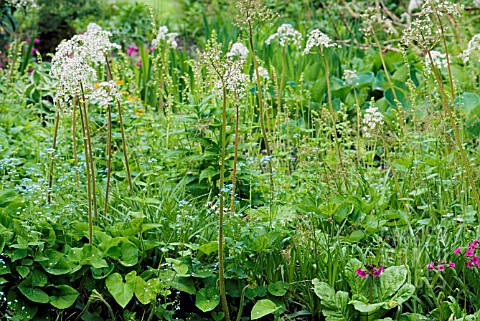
(381, 268)
(139, 64)
(431, 266)
(469, 264)
(457, 251)
(361, 273)
(475, 260)
(451, 264)
(132, 50)
(441, 268)
(469, 252)
(473, 245)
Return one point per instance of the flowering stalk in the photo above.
(235, 158)
(109, 157)
(74, 146)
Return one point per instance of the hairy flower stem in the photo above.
(90, 154)
(333, 116)
(109, 158)
(221, 275)
(122, 131)
(282, 79)
(89, 185)
(449, 112)
(52, 163)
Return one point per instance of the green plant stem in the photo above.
(89, 185)
(458, 140)
(221, 275)
(52, 162)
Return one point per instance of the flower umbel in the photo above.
(286, 36)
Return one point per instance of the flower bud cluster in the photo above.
(165, 37)
(373, 20)
(350, 77)
(473, 260)
(286, 36)
(233, 78)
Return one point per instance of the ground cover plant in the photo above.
(241, 160)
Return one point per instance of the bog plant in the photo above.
(299, 163)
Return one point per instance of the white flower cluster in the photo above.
(439, 61)
(424, 31)
(22, 3)
(441, 7)
(238, 50)
(163, 36)
(372, 120)
(74, 62)
(286, 35)
(473, 46)
(234, 79)
(350, 77)
(316, 38)
(373, 20)
(104, 93)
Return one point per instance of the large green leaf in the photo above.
(356, 283)
(121, 291)
(34, 294)
(335, 306)
(262, 308)
(391, 281)
(146, 291)
(63, 296)
(207, 299)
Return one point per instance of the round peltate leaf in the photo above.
(207, 299)
(262, 308)
(63, 296)
(278, 288)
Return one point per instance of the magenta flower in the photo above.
(361, 273)
(473, 245)
(469, 252)
(132, 50)
(457, 251)
(475, 260)
(469, 264)
(451, 264)
(431, 266)
(441, 268)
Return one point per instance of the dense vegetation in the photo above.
(239, 160)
